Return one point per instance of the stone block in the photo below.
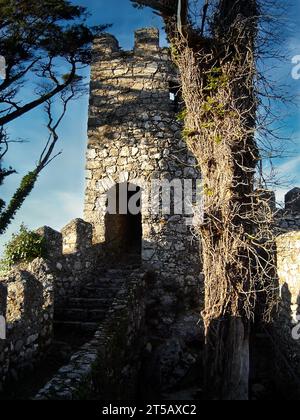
(53, 241)
(146, 41)
(77, 236)
(292, 201)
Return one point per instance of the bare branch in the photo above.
(44, 98)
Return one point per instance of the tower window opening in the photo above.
(172, 96)
(174, 92)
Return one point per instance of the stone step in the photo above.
(86, 303)
(99, 292)
(68, 337)
(118, 273)
(77, 325)
(78, 314)
(107, 283)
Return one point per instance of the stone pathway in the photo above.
(83, 314)
(74, 327)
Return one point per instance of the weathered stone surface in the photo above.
(27, 303)
(288, 219)
(100, 366)
(134, 136)
(288, 264)
(292, 200)
(77, 236)
(53, 241)
(285, 327)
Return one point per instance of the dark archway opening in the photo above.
(123, 220)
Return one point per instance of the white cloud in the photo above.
(291, 167)
(288, 174)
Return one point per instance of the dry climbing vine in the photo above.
(219, 128)
(218, 48)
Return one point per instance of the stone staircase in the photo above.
(84, 314)
(74, 325)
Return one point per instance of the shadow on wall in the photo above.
(171, 361)
(73, 257)
(286, 347)
(130, 107)
(27, 305)
(275, 358)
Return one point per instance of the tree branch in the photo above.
(44, 98)
(28, 182)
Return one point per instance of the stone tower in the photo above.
(135, 138)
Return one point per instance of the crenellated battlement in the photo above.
(77, 236)
(289, 216)
(292, 201)
(127, 84)
(105, 46)
(146, 42)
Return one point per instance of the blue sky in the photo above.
(58, 196)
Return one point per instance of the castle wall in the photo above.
(134, 137)
(285, 328)
(289, 222)
(27, 303)
(284, 331)
(74, 259)
(108, 366)
(288, 218)
(31, 293)
(288, 269)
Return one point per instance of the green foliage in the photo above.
(207, 125)
(25, 188)
(212, 105)
(187, 133)
(208, 192)
(181, 116)
(216, 79)
(23, 247)
(220, 110)
(209, 104)
(218, 139)
(174, 52)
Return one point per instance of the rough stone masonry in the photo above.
(134, 137)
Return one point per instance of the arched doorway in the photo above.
(123, 220)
